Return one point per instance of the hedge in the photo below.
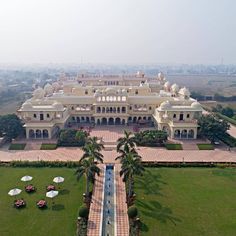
(48, 146)
(17, 146)
(68, 164)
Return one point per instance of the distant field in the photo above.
(9, 108)
(207, 84)
(224, 104)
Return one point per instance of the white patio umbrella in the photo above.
(51, 194)
(14, 192)
(58, 179)
(26, 178)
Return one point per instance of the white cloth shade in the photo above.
(52, 194)
(14, 191)
(26, 178)
(58, 179)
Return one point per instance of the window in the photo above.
(174, 116)
(72, 108)
(35, 116)
(130, 108)
(86, 91)
(150, 108)
(136, 91)
(188, 115)
(48, 116)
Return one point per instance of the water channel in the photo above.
(108, 217)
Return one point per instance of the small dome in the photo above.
(165, 105)
(48, 89)
(167, 85)
(26, 105)
(58, 106)
(38, 93)
(161, 76)
(196, 105)
(175, 88)
(56, 86)
(184, 91)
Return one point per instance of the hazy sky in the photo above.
(118, 31)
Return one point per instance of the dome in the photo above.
(48, 89)
(175, 88)
(26, 105)
(58, 106)
(161, 76)
(110, 91)
(167, 85)
(196, 105)
(165, 105)
(38, 93)
(184, 91)
(55, 86)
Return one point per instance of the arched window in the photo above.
(86, 91)
(174, 116)
(188, 116)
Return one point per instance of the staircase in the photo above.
(109, 145)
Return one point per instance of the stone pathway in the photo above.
(122, 221)
(95, 213)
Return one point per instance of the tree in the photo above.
(89, 169)
(227, 111)
(212, 128)
(92, 149)
(131, 165)
(11, 126)
(126, 143)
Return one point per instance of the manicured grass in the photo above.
(17, 146)
(205, 146)
(57, 220)
(187, 201)
(174, 146)
(48, 146)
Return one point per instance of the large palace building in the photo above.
(111, 100)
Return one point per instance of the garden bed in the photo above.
(173, 146)
(205, 146)
(48, 146)
(17, 146)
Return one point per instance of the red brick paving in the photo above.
(122, 221)
(94, 221)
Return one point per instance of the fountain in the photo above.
(108, 214)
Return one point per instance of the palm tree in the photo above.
(126, 143)
(92, 149)
(89, 169)
(131, 165)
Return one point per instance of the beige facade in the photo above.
(110, 100)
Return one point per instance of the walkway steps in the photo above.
(95, 212)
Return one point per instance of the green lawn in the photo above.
(174, 146)
(187, 201)
(205, 146)
(17, 146)
(48, 146)
(59, 220)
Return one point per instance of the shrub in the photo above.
(72, 138)
(83, 212)
(150, 138)
(132, 212)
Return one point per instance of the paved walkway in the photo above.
(122, 221)
(232, 131)
(95, 217)
(147, 153)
